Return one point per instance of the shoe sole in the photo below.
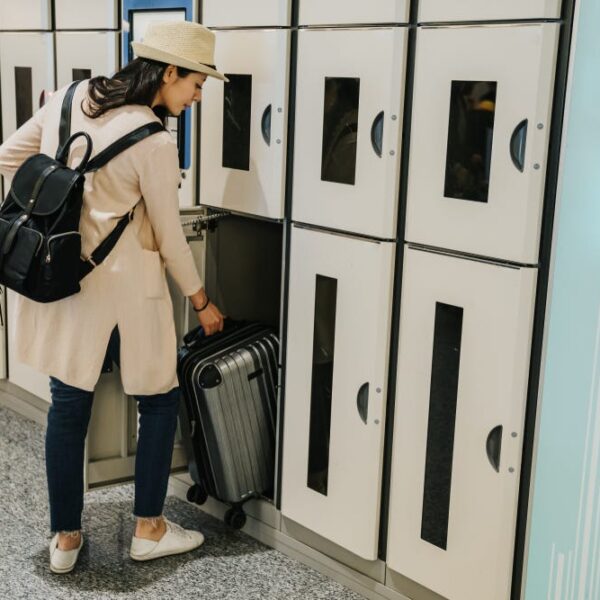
(161, 554)
(57, 570)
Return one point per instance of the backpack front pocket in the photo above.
(57, 273)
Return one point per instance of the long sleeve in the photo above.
(22, 144)
(159, 181)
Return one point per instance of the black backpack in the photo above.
(40, 243)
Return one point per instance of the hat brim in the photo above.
(145, 51)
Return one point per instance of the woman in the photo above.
(123, 311)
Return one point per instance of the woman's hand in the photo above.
(210, 318)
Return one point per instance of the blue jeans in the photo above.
(68, 420)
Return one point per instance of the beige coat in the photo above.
(68, 338)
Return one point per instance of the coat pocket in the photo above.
(154, 277)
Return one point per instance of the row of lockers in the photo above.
(462, 372)
(479, 126)
(479, 132)
(103, 14)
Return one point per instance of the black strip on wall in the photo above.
(442, 419)
(80, 74)
(23, 94)
(321, 383)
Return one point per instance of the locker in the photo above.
(349, 102)
(26, 73)
(31, 15)
(479, 139)
(478, 10)
(82, 55)
(137, 15)
(465, 336)
(237, 13)
(244, 124)
(340, 295)
(315, 12)
(99, 14)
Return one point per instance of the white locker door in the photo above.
(483, 10)
(244, 124)
(337, 358)
(26, 72)
(349, 98)
(25, 15)
(99, 14)
(479, 138)
(317, 12)
(239, 13)
(18, 373)
(84, 55)
(465, 336)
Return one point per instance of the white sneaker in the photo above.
(63, 561)
(175, 540)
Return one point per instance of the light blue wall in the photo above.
(564, 551)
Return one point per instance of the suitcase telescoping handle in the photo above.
(197, 335)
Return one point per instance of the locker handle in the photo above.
(362, 401)
(377, 134)
(518, 141)
(493, 446)
(265, 125)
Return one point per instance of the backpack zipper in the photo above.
(56, 235)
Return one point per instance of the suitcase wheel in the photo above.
(196, 494)
(235, 518)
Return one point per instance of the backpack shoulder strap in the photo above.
(64, 129)
(135, 136)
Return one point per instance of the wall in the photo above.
(564, 547)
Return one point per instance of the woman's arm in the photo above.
(22, 144)
(159, 184)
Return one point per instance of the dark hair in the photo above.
(136, 83)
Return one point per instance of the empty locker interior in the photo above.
(375, 182)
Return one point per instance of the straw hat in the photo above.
(181, 43)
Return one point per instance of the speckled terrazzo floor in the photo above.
(229, 565)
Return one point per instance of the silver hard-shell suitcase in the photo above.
(229, 383)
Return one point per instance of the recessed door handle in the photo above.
(377, 134)
(265, 125)
(362, 401)
(493, 446)
(518, 141)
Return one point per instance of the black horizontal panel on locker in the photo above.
(331, 12)
(336, 386)
(479, 138)
(244, 124)
(462, 374)
(25, 15)
(26, 76)
(96, 14)
(241, 13)
(487, 10)
(349, 100)
(82, 55)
